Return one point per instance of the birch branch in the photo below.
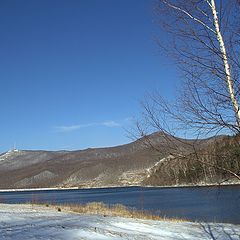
(189, 15)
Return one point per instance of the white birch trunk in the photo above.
(229, 80)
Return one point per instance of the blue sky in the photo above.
(72, 72)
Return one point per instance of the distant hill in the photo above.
(136, 163)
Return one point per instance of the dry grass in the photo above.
(117, 210)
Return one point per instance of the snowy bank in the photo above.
(40, 222)
(203, 184)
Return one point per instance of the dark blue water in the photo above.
(218, 204)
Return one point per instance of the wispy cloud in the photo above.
(111, 124)
(71, 128)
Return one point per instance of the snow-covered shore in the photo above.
(35, 189)
(40, 222)
(236, 183)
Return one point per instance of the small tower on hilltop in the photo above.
(14, 147)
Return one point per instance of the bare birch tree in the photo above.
(203, 38)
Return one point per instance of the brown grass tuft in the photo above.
(117, 210)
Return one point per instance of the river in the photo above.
(210, 204)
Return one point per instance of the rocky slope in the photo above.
(130, 164)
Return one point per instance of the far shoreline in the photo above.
(129, 186)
